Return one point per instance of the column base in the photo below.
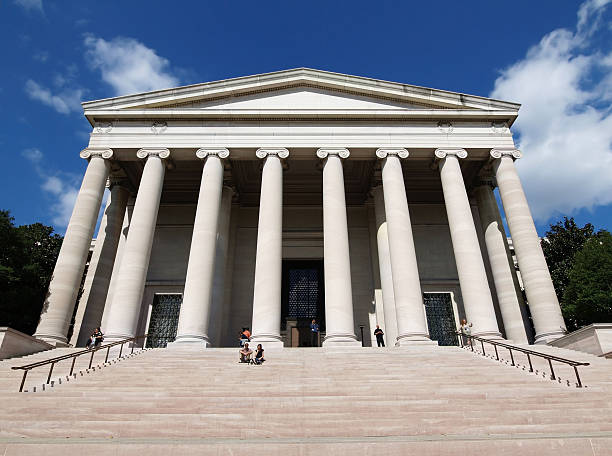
(409, 340)
(58, 341)
(190, 341)
(341, 340)
(267, 341)
(545, 338)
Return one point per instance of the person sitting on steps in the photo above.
(259, 355)
(95, 339)
(246, 354)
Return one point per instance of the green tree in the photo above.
(588, 294)
(560, 244)
(27, 257)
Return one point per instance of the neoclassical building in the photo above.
(266, 201)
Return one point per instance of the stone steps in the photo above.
(307, 401)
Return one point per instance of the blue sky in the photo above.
(553, 57)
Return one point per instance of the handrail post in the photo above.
(511, 356)
(72, 366)
(25, 374)
(578, 385)
(496, 353)
(530, 365)
(552, 372)
(91, 359)
(50, 372)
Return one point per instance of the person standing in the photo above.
(379, 336)
(314, 333)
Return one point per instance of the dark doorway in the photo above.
(440, 318)
(303, 299)
(164, 319)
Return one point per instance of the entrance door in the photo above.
(164, 319)
(303, 299)
(440, 318)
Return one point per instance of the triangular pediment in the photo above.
(300, 97)
(298, 93)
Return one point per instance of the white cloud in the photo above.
(565, 131)
(64, 102)
(31, 5)
(128, 66)
(60, 188)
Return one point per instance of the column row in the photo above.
(404, 310)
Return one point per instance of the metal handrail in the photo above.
(28, 367)
(526, 351)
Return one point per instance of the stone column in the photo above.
(117, 264)
(68, 273)
(339, 320)
(95, 288)
(510, 302)
(409, 308)
(196, 306)
(123, 316)
(269, 257)
(384, 266)
(221, 256)
(475, 289)
(541, 296)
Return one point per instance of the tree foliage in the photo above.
(560, 245)
(588, 295)
(27, 257)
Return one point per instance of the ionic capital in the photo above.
(145, 153)
(443, 153)
(205, 152)
(384, 152)
(336, 151)
(265, 152)
(515, 154)
(87, 154)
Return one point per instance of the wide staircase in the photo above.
(423, 400)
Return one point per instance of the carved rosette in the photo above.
(206, 152)
(161, 153)
(338, 151)
(384, 153)
(87, 154)
(279, 152)
(499, 153)
(443, 153)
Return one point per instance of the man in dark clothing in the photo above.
(314, 333)
(379, 336)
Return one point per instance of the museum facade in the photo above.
(269, 200)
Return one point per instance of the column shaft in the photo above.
(269, 256)
(339, 320)
(68, 273)
(510, 302)
(95, 288)
(116, 266)
(127, 298)
(410, 312)
(470, 266)
(384, 266)
(541, 296)
(221, 257)
(195, 309)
